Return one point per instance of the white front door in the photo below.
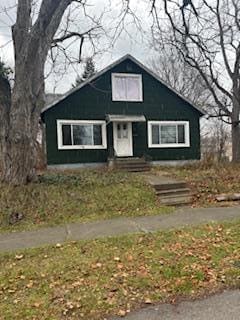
(122, 139)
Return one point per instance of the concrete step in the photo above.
(145, 169)
(124, 163)
(134, 168)
(129, 159)
(131, 165)
(170, 186)
(170, 192)
(176, 200)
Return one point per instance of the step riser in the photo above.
(176, 199)
(131, 164)
(134, 169)
(173, 192)
(174, 204)
(170, 186)
(130, 161)
(120, 164)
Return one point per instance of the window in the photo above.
(167, 134)
(127, 87)
(76, 134)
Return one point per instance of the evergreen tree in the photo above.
(4, 71)
(88, 72)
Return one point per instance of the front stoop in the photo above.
(130, 164)
(171, 192)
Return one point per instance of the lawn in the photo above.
(81, 195)
(207, 181)
(96, 279)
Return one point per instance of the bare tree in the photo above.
(169, 65)
(47, 29)
(35, 33)
(215, 141)
(207, 35)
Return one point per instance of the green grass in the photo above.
(81, 195)
(96, 279)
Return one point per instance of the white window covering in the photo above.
(168, 134)
(133, 88)
(120, 88)
(81, 134)
(126, 87)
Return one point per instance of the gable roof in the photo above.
(98, 74)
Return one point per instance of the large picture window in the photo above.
(127, 87)
(76, 134)
(167, 134)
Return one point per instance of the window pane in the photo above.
(82, 134)
(155, 134)
(119, 131)
(66, 135)
(120, 88)
(168, 134)
(97, 134)
(133, 90)
(124, 131)
(181, 133)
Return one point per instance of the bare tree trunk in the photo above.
(19, 118)
(235, 124)
(5, 104)
(235, 142)
(27, 103)
(20, 164)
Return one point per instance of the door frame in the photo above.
(130, 138)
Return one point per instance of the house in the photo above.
(124, 110)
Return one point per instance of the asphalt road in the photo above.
(224, 306)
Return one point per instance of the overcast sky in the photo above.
(133, 41)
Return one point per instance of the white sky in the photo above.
(136, 45)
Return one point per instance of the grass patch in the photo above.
(207, 181)
(82, 195)
(96, 279)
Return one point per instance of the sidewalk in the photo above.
(114, 227)
(223, 306)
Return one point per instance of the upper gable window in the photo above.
(127, 87)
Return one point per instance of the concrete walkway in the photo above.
(224, 306)
(114, 227)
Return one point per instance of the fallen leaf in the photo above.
(19, 257)
(148, 301)
(122, 313)
(116, 259)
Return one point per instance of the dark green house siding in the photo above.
(94, 101)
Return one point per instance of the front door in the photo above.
(122, 139)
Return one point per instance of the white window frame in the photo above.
(169, 145)
(74, 122)
(127, 75)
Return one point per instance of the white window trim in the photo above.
(127, 75)
(169, 145)
(77, 147)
